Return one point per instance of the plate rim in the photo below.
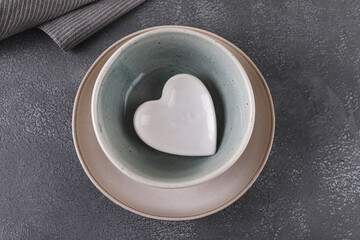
(181, 218)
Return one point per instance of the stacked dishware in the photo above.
(173, 123)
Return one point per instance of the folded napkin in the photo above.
(67, 22)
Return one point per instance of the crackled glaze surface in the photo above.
(182, 121)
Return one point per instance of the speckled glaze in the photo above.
(174, 204)
(137, 72)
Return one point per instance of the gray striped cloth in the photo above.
(67, 22)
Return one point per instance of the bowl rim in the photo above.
(178, 184)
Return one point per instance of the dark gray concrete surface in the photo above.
(309, 52)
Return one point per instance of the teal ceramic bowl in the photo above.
(137, 72)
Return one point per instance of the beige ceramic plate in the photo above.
(174, 204)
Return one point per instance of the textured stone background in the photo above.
(309, 52)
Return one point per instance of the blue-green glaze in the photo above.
(137, 73)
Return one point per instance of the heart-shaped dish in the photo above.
(137, 72)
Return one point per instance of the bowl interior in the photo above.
(137, 72)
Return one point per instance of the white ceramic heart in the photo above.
(182, 121)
